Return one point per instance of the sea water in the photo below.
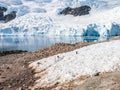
(33, 43)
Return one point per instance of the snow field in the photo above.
(101, 57)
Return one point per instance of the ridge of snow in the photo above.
(64, 67)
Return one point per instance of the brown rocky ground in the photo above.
(106, 81)
(15, 74)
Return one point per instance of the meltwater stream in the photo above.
(33, 43)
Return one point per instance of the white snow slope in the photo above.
(42, 17)
(64, 67)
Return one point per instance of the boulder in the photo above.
(78, 11)
(2, 10)
(10, 16)
(66, 11)
(7, 17)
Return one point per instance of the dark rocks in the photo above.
(79, 11)
(2, 10)
(66, 11)
(4, 53)
(7, 17)
(97, 74)
(10, 16)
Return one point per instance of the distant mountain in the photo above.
(42, 17)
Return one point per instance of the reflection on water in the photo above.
(32, 43)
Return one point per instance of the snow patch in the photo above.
(101, 57)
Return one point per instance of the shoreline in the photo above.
(4, 53)
(14, 78)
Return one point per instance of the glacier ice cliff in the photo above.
(35, 17)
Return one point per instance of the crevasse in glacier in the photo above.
(36, 17)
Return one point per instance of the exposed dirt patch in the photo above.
(15, 73)
(106, 81)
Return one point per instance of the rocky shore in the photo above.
(16, 75)
(4, 53)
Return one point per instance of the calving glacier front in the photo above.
(97, 23)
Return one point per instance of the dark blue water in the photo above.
(33, 43)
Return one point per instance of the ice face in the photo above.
(42, 17)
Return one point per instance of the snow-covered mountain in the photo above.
(42, 17)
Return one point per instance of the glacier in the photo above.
(36, 17)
